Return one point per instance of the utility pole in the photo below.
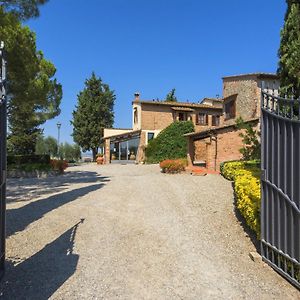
(58, 135)
(3, 132)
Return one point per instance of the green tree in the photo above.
(289, 51)
(34, 95)
(93, 113)
(76, 152)
(46, 145)
(40, 147)
(69, 152)
(250, 137)
(171, 96)
(23, 9)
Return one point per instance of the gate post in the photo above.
(3, 125)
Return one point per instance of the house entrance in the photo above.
(124, 151)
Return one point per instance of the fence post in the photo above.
(3, 132)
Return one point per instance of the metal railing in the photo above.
(280, 184)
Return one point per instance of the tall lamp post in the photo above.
(58, 135)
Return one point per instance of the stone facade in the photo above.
(217, 146)
(200, 151)
(241, 98)
(156, 117)
(242, 93)
(247, 89)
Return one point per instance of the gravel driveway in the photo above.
(130, 232)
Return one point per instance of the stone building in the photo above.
(215, 139)
(241, 98)
(149, 118)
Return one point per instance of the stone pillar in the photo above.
(190, 151)
(107, 151)
(140, 156)
(211, 154)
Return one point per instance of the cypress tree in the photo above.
(93, 113)
(289, 51)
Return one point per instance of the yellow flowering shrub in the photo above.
(247, 189)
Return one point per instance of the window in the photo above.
(150, 136)
(215, 121)
(201, 119)
(182, 116)
(230, 110)
(135, 115)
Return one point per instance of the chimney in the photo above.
(137, 96)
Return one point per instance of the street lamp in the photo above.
(58, 124)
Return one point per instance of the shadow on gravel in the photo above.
(25, 189)
(18, 219)
(246, 228)
(39, 276)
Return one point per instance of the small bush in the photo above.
(232, 169)
(59, 165)
(246, 177)
(28, 159)
(170, 143)
(173, 166)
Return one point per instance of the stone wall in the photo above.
(156, 117)
(248, 90)
(223, 146)
(248, 98)
(200, 150)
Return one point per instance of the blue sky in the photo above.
(154, 46)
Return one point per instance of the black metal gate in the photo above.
(2, 157)
(280, 206)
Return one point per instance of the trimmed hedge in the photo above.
(246, 177)
(28, 159)
(170, 143)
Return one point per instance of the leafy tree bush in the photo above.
(46, 145)
(34, 95)
(173, 166)
(170, 143)
(246, 177)
(250, 138)
(70, 153)
(58, 165)
(23, 9)
(23, 159)
(289, 51)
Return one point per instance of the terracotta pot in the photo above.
(99, 160)
(132, 156)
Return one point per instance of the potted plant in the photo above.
(99, 159)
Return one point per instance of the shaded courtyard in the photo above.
(130, 232)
